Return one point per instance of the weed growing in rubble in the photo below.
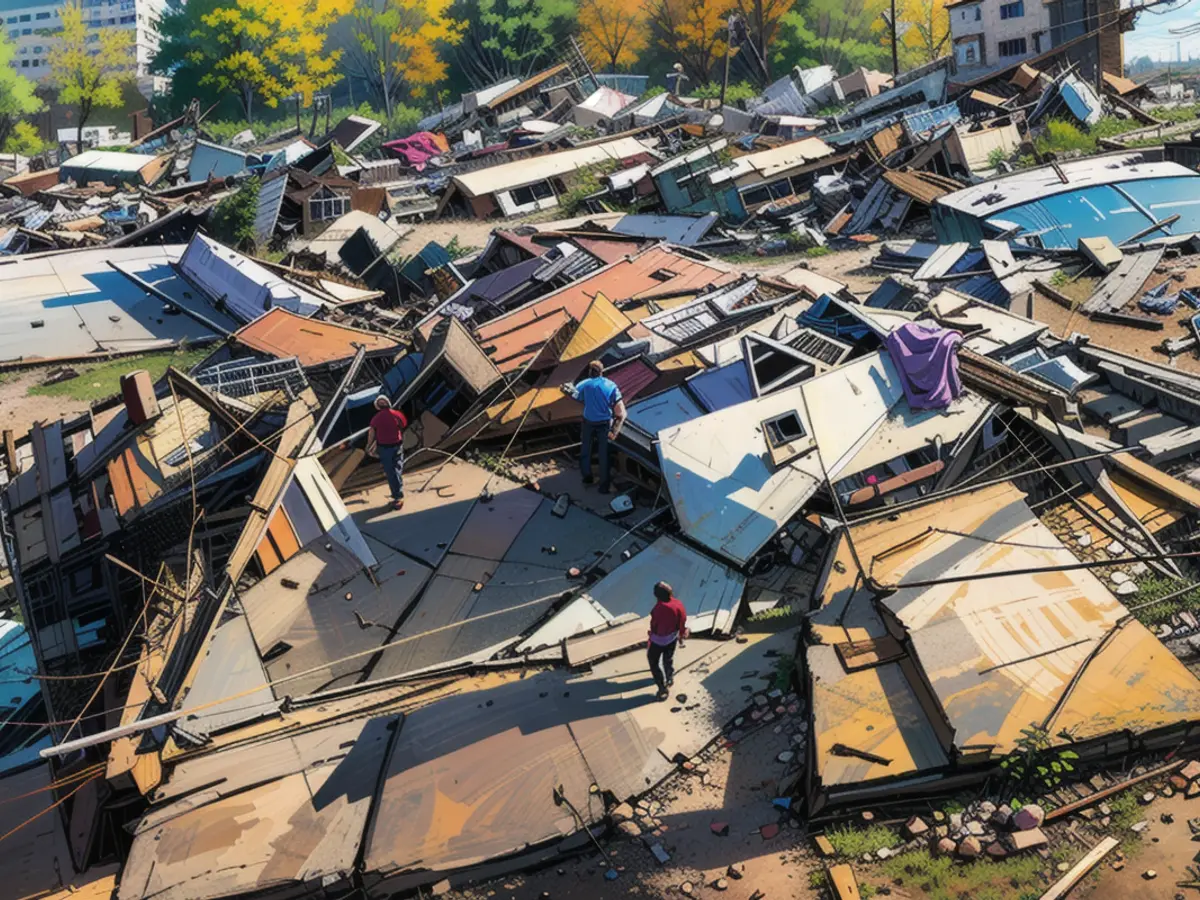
(1062, 136)
(813, 252)
(996, 157)
(853, 842)
(816, 880)
(1152, 588)
(1035, 765)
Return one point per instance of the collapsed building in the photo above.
(954, 484)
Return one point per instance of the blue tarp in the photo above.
(828, 317)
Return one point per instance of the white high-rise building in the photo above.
(32, 27)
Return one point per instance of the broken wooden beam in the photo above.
(843, 750)
(1075, 874)
(1114, 789)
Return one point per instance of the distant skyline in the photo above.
(1152, 36)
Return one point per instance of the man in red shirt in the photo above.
(668, 629)
(385, 439)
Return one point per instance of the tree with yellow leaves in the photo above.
(89, 73)
(694, 31)
(395, 43)
(927, 33)
(613, 32)
(269, 50)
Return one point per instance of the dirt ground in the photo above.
(19, 411)
(851, 267)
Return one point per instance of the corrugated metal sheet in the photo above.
(550, 165)
(721, 387)
(632, 378)
(284, 334)
(270, 199)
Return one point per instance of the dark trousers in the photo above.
(666, 672)
(391, 457)
(594, 433)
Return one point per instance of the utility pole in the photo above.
(728, 50)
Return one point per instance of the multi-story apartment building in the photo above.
(31, 25)
(991, 34)
(994, 34)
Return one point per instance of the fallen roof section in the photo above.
(283, 334)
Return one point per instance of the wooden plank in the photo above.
(1114, 789)
(1062, 887)
(588, 648)
(845, 885)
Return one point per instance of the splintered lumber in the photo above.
(1062, 887)
(845, 885)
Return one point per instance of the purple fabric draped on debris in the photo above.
(927, 357)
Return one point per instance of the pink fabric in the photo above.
(416, 150)
(927, 358)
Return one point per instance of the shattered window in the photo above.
(332, 207)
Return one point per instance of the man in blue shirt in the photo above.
(603, 416)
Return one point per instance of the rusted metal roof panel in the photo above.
(284, 334)
(924, 187)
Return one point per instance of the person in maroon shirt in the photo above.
(385, 439)
(668, 629)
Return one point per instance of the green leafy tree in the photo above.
(839, 33)
(508, 38)
(17, 98)
(397, 46)
(89, 73)
(187, 52)
(232, 221)
(24, 139)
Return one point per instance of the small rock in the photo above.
(1126, 589)
(1178, 782)
(996, 850)
(686, 889)
(1116, 548)
(986, 808)
(868, 816)
(629, 829)
(969, 848)
(1191, 771)
(1027, 817)
(442, 887)
(736, 870)
(956, 821)
(915, 827)
(721, 884)
(1029, 839)
(1167, 819)
(769, 831)
(939, 816)
(883, 852)
(720, 829)
(612, 875)
(660, 854)
(1147, 798)
(1139, 827)
(1149, 874)
(946, 846)
(975, 828)
(1119, 577)
(1063, 867)
(941, 830)
(1002, 816)
(1117, 865)
(786, 756)
(1193, 790)
(622, 812)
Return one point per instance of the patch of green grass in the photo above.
(1062, 136)
(816, 879)
(1150, 589)
(458, 250)
(850, 841)
(1126, 810)
(940, 878)
(867, 891)
(1060, 278)
(1111, 127)
(996, 157)
(96, 382)
(813, 252)
(1176, 114)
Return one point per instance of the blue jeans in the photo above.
(391, 457)
(594, 432)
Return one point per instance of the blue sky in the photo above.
(1152, 36)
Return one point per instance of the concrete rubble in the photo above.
(935, 537)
